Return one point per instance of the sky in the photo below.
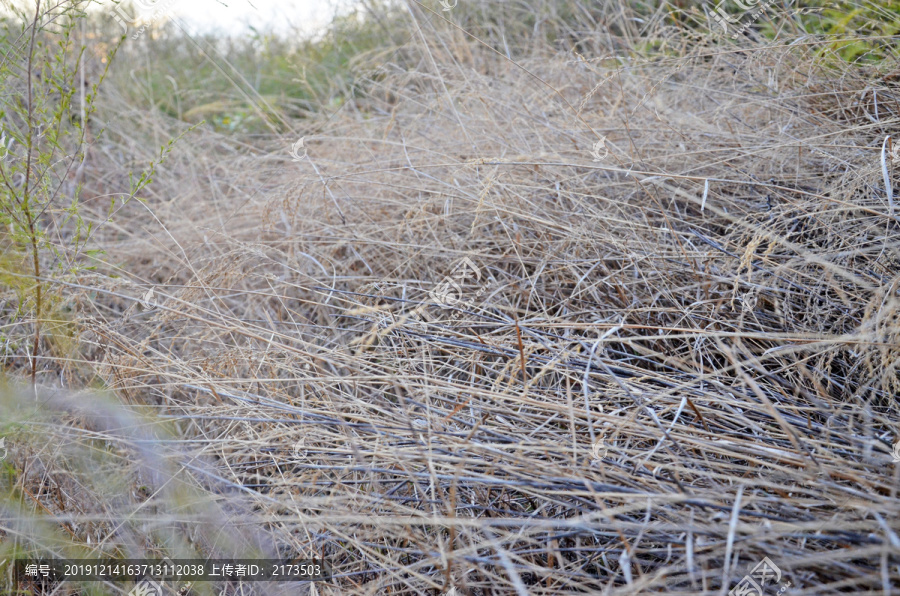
(236, 16)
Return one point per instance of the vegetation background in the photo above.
(677, 353)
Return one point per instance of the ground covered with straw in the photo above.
(573, 322)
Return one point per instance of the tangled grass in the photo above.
(676, 353)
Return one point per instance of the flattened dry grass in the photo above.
(678, 359)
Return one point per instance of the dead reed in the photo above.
(678, 355)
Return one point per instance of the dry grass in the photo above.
(677, 360)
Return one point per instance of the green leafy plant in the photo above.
(859, 30)
(45, 111)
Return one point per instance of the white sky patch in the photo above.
(232, 17)
(235, 17)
